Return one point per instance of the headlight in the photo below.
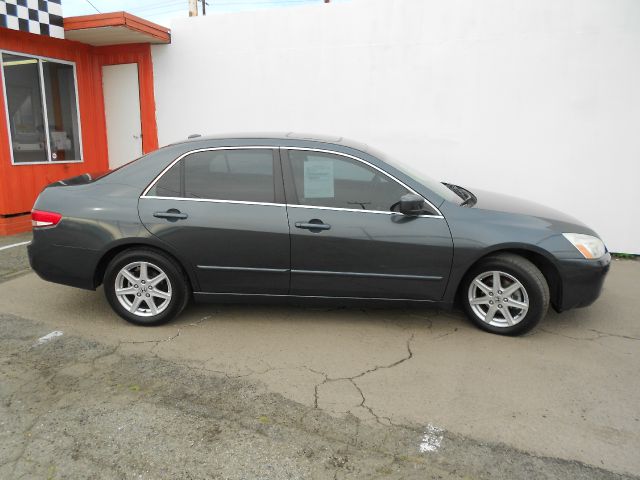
(587, 245)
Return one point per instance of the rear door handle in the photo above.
(313, 225)
(171, 214)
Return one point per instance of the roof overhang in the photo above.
(116, 28)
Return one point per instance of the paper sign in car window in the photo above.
(318, 177)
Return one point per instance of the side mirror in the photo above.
(411, 204)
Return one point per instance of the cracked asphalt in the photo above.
(238, 391)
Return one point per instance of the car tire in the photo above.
(146, 287)
(512, 306)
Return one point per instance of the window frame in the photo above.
(277, 177)
(45, 114)
(295, 202)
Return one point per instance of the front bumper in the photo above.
(581, 281)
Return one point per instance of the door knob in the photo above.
(172, 215)
(314, 225)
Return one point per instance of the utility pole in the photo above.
(193, 8)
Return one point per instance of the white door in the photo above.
(122, 111)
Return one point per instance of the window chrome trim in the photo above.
(39, 59)
(288, 205)
(269, 204)
(211, 200)
(359, 210)
(387, 174)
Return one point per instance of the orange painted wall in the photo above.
(21, 184)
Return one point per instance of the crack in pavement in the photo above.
(591, 339)
(240, 375)
(353, 378)
(607, 334)
(203, 363)
(27, 442)
(182, 423)
(363, 404)
(165, 340)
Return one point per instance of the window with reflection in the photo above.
(42, 109)
(235, 174)
(328, 180)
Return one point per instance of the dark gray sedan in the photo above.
(267, 217)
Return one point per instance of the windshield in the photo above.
(427, 181)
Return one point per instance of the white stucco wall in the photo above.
(539, 99)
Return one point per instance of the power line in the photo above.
(261, 3)
(165, 7)
(151, 6)
(159, 6)
(94, 7)
(147, 6)
(156, 13)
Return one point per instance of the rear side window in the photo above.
(169, 184)
(240, 175)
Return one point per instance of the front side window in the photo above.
(328, 180)
(240, 175)
(42, 109)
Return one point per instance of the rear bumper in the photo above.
(582, 281)
(66, 265)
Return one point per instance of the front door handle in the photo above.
(312, 225)
(172, 215)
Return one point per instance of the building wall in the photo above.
(535, 99)
(21, 184)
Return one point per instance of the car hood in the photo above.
(498, 202)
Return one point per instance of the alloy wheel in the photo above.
(143, 289)
(498, 299)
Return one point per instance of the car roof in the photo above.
(287, 136)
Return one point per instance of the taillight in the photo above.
(44, 219)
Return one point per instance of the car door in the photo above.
(222, 209)
(346, 241)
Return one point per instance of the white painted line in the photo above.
(432, 439)
(15, 245)
(48, 337)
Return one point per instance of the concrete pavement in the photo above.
(569, 390)
(13, 256)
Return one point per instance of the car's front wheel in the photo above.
(145, 287)
(505, 294)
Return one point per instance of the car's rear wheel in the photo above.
(505, 294)
(146, 287)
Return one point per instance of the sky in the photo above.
(162, 11)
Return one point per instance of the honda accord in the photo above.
(268, 217)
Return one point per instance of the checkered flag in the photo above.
(43, 17)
